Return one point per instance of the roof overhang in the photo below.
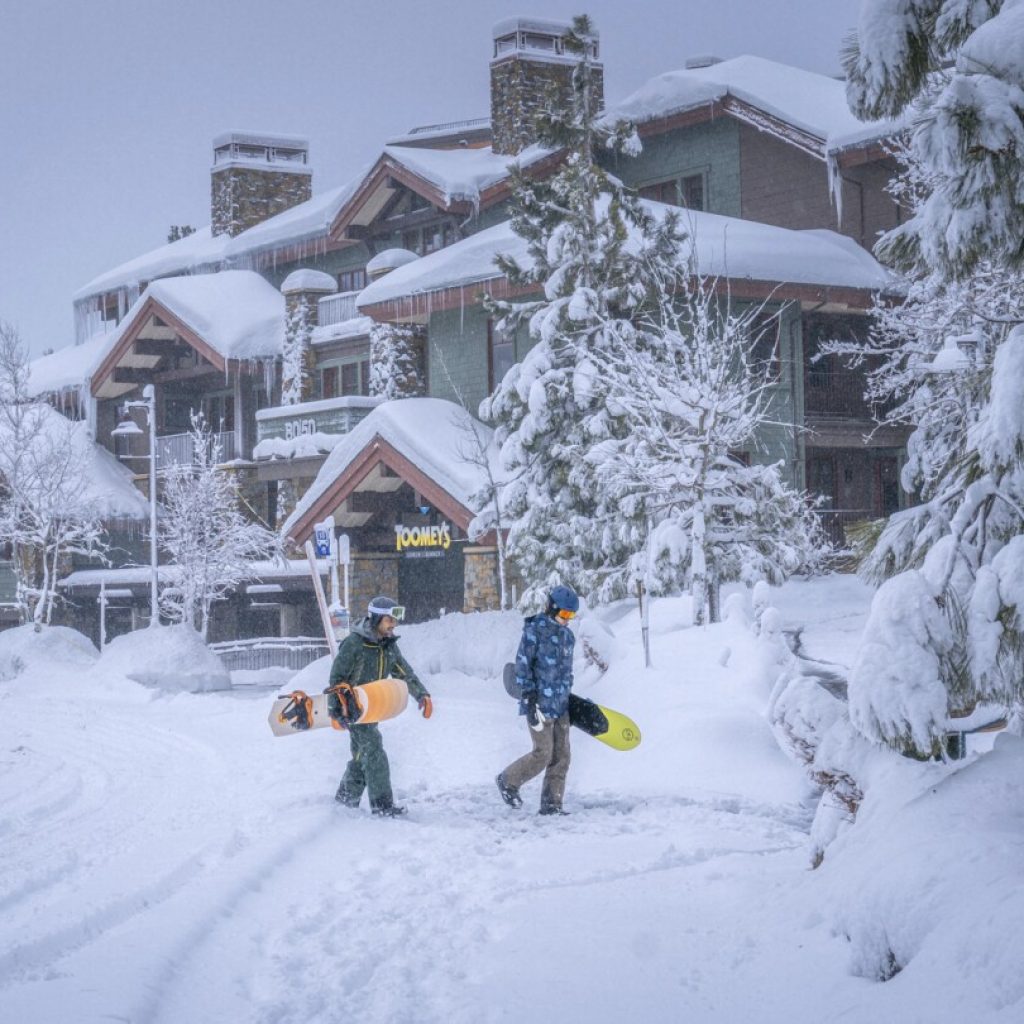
(365, 472)
(417, 308)
(762, 120)
(153, 322)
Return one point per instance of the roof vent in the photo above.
(701, 61)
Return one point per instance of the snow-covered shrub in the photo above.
(29, 647)
(173, 659)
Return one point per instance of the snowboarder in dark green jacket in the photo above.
(371, 652)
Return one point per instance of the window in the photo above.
(765, 338)
(352, 280)
(349, 376)
(219, 412)
(692, 188)
(501, 354)
(687, 191)
(661, 192)
(433, 238)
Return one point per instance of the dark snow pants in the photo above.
(550, 755)
(368, 769)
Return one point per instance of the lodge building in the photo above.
(271, 320)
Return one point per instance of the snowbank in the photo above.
(169, 658)
(931, 880)
(26, 647)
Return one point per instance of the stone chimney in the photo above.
(530, 68)
(302, 289)
(256, 176)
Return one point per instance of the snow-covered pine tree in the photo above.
(211, 544)
(695, 396)
(945, 632)
(590, 243)
(956, 67)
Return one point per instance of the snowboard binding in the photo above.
(298, 712)
(342, 705)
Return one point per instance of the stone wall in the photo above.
(370, 575)
(297, 376)
(241, 197)
(521, 89)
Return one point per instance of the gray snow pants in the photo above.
(550, 755)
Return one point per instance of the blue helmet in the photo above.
(563, 598)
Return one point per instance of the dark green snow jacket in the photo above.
(364, 657)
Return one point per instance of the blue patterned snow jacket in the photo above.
(544, 665)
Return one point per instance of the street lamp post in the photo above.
(126, 428)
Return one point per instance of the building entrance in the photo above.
(430, 581)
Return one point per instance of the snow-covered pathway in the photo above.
(166, 860)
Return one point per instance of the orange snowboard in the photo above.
(376, 702)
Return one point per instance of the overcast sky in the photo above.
(108, 108)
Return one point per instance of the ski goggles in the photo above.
(564, 614)
(396, 611)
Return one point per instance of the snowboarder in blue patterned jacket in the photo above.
(544, 673)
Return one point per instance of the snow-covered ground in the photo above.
(165, 859)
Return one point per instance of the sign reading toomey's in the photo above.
(438, 537)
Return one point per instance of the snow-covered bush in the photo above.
(31, 646)
(173, 659)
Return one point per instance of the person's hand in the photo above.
(534, 716)
(426, 705)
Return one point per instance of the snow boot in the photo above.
(386, 809)
(554, 810)
(508, 793)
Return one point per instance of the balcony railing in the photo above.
(839, 393)
(336, 309)
(293, 652)
(178, 450)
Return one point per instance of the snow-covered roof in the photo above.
(297, 568)
(462, 174)
(357, 327)
(106, 482)
(68, 367)
(724, 247)
(191, 253)
(431, 433)
(804, 99)
(201, 251)
(236, 312)
(310, 219)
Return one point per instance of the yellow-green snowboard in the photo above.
(613, 728)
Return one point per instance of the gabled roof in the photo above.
(787, 263)
(457, 180)
(807, 108)
(425, 441)
(227, 317)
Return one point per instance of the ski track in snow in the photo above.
(163, 860)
